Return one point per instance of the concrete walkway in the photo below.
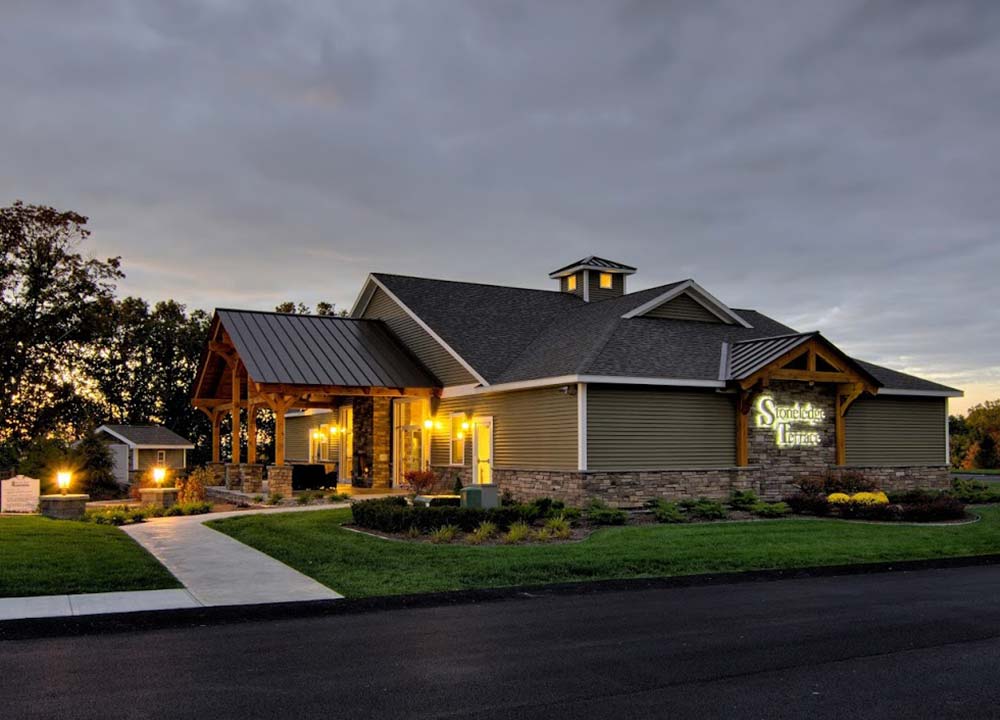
(218, 570)
(41, 606)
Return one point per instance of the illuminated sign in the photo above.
(783, 418)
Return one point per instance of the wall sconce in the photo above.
(465, 424)
(159, 474)
(334, 430)
(63, 478)
(460, 435)
(429, 424)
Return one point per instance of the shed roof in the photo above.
(291, 349)
(146, 436)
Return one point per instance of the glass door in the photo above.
(409, 419)
(345, 457)
(482, 451)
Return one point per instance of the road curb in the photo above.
(33, 628)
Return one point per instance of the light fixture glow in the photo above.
(465, 425)
(63, 478)
(428, 423)
(159, 474)
(460, 435)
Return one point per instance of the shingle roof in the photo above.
(151, 435)
(593, 261)
(514, 334)
(321, 350)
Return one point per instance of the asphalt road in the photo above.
(920, 644)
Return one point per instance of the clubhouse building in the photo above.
(577, 392)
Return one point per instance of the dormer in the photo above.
(593, 278)
(687, 300)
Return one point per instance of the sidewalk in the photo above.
(218, 570)
(214, 568)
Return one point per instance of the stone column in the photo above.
(279, 480)
(233, 481)
(216, 473)
(381, 449)
(252, 478)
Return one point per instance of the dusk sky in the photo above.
(835, 165)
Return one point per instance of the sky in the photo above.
(835, 165)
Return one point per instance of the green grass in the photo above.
(360, 566)
(993, 471)
(39, 556)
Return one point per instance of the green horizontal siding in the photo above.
(642, 428)
(532, 429)
(428, 350)
(147, 459)
(683, 307)
(887, 430)
(298, 430)
(596, 293)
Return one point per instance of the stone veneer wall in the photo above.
(381, 450)
(279, 480)
(772, 472)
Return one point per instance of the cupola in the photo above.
(593, 278)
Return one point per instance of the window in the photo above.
(459, 427)
(606, 281)
(161, 457)
(571, 283)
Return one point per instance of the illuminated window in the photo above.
(161, 457)
(606, 281)
(459, 427)
(571, 283)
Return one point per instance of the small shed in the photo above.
(136, 448)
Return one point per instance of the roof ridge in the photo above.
(466, 282)
(301, 315)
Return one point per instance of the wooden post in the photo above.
(743, 429)
(251, 432)
(236, 413)
(279, 436)
(216, 418)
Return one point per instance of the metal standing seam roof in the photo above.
(748, 356)
(595, 262)
(321, 350)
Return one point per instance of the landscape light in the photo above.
(62, 478)
(159, 474)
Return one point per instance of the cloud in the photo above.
(831, 164)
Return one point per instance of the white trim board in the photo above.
(360, 307)
(581, 426)
(922, 393)
(464, 390)
(697, 293)
(136, 446)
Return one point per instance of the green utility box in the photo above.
(480, 496)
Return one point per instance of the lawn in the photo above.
(360, 566)
(993, 471)
(39, 556)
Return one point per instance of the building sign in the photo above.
(791, 423)
(19, 494)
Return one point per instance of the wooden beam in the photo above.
(342, 391)
(743, 428)
(235, 412)
(251, 433)
(815, 376)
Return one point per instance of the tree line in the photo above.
(975, 437)
(74, 356)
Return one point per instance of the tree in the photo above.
(50, 300)
(986, 453)
(91, 461)
(322, 308)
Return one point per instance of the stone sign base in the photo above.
(64, 507)
(279, 480)
(158, 497)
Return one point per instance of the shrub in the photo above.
(812, 486)
(849, 483)
(445, 502)
(115, 515)
(743, 499)
(870, 498)
(274, 498)
(559, 527)
(600, 514)
(444, 534)
(975, 492)
(770, 510)
(174, 511)
(420, 481)
(518, 532)
(485, 531)
(667, 512)
(338, 497)
(258, 499)
(194, 508)
(394, 515)
(192, 488)
(304, 499)
(838, 498)
(413, 533)
(704, 509)
(136, 515)
(808, 504)
(542, 535)
(456, 489)
(939, 509)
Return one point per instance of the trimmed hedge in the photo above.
(395, 515)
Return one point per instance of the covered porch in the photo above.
(283, 363)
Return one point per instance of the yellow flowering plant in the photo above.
(838, 498)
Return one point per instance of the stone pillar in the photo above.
(216, 473)
(252, 478)
(381, 453)
(233, 481)
(279, 480)
(63, 507)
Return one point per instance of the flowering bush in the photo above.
(838, 498)
(420, 481)
(870, 498)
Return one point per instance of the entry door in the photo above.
(345, 457)
(482, 450)
(411, 437)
